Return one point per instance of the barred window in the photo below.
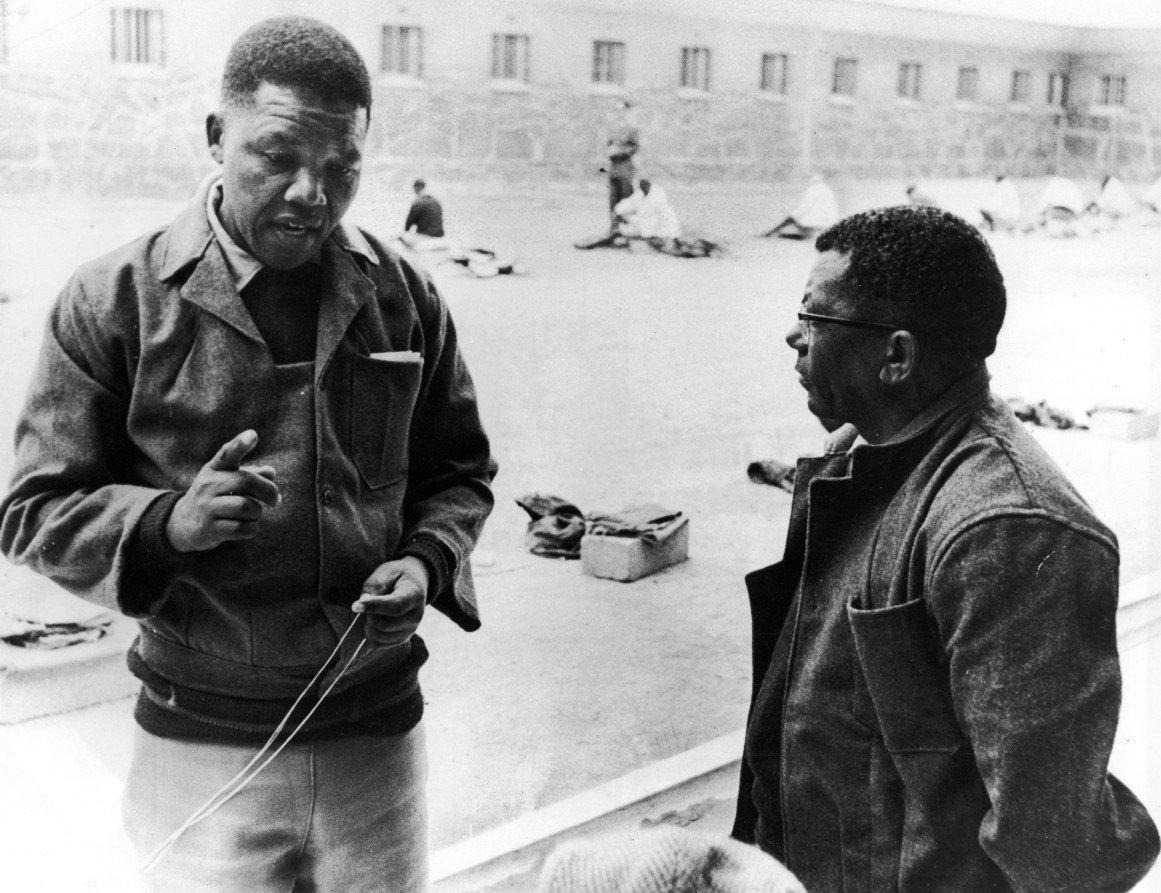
(1021, 87)
(1057, 89)
(609, 62)
(846, 76)
(510, 57)
(774, 71)
(967, 85)
(401, 50)
(1112, 89)
(695, 68)
(909, 85)
(137, 36)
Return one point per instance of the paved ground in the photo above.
(608, 378)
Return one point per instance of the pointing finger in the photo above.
(230, 456)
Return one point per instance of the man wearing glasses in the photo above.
(936, 680)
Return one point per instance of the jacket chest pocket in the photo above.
(381, 398)
(906, 694)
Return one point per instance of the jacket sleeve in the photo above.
(449, 492)
(1026, 607)
(69, 514)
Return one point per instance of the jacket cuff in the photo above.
(441, 563)
(149, 558)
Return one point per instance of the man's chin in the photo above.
(280, 259)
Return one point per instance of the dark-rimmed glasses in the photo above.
(803, 316)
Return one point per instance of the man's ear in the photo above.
(900, 359)
(215, 128)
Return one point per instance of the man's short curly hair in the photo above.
(927, 269)
(297, 53)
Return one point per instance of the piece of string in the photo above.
(225, 793)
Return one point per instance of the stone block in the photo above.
(1130, 152)
(18, 145)
(1124, 424)
(627, 559)
(515, 144)
(1080, 146)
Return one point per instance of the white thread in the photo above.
(210, 806)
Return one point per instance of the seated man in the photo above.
(918, 197)
(1114, 201)
(1062, 208)
(647, 214)
(423, 229)
(1001, 210)
(1151, 200)
(817, 210)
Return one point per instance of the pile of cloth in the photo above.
(772, 472)
(23, 633)
(557, 526)
(1043, 415)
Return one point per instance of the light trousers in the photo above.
(346, 815)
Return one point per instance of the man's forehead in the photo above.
(270, 98)
(829, 267)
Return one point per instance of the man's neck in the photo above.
(897, 415)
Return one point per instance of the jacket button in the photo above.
(328, 496)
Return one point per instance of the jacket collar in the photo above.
(963, 397)
(346, 287)
(843, 461)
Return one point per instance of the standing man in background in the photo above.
(622, 148)
(253, 431)
(936, 679)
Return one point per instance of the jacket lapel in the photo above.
(346, 289)
(211, 287)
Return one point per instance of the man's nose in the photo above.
(306, 189)
(795, 336)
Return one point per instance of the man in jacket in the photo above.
(253, 431)
(936, 680)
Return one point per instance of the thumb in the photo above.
(230, 456)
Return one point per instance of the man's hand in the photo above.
(393, 600)
(225, 501)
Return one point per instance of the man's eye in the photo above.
(278, 159)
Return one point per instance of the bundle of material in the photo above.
(652, 523)
(772, 472)
(23, 633)
(1040, 413)
(686, 246)
(555, 528)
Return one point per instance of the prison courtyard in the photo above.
(611, 378)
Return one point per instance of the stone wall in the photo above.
(144, 137)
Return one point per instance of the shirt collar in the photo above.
(198, 224)
(243, 266)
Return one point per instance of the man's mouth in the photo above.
(297, 229)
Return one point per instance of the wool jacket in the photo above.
(151, 362)
(936, 679)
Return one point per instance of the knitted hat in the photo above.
(664, 859)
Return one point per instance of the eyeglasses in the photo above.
(803, 316)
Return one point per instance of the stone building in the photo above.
(109, 97)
